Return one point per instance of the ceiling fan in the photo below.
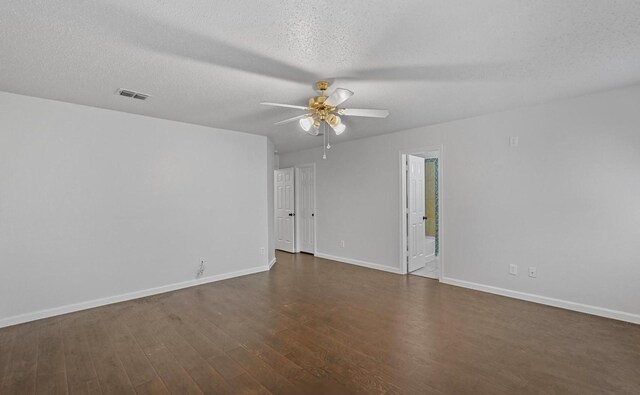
(322, 108)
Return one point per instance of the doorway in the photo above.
(284, 210)
(421, 189)
(295, 209)
(306, 208)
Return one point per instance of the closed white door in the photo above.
(284, 209)
(305, 213)
(416, 213)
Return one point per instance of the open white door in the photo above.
(284, 209)
(305, 213)
(416, 216)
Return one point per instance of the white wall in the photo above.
(97, 203)
(567, 200)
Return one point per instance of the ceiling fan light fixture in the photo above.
(306, 123)
(339, 129)
(333, 120)
(325, 109)
(336, 124)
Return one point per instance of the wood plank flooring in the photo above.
(315, 326)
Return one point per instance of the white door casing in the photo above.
(305, 211)
(284, 209)
(416, 213)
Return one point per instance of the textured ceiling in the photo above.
(212, 62)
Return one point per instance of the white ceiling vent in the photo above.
(133, 94)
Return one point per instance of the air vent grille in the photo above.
(133, 94)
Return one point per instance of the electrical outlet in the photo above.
(342, 243)
(200, 269)
(261, 250)
(513, 141)
(513, 269)
(533, 271)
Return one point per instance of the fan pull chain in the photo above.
(324, 128)
(328, 138)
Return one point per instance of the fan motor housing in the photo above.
(317, 102)
(318, 106)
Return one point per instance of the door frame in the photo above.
(297, 206)
(403, 204)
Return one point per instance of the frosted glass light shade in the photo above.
(339, 129)
(306, 123)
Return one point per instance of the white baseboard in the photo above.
(359, 263)
(273, 262)
(37, 315)
(563, 304)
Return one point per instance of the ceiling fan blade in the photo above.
(152, 33)
(293, 119)
(443, 72)
(338, 97)
(364, 112)
(284, 105)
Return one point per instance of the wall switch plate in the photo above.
(513, 269)
(261, 250)
(533, 271)
(513, 141)
(342, 243)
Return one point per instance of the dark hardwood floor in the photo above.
(317, 326)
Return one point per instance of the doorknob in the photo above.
(424, 218)
(290, 214)
(313, 215)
